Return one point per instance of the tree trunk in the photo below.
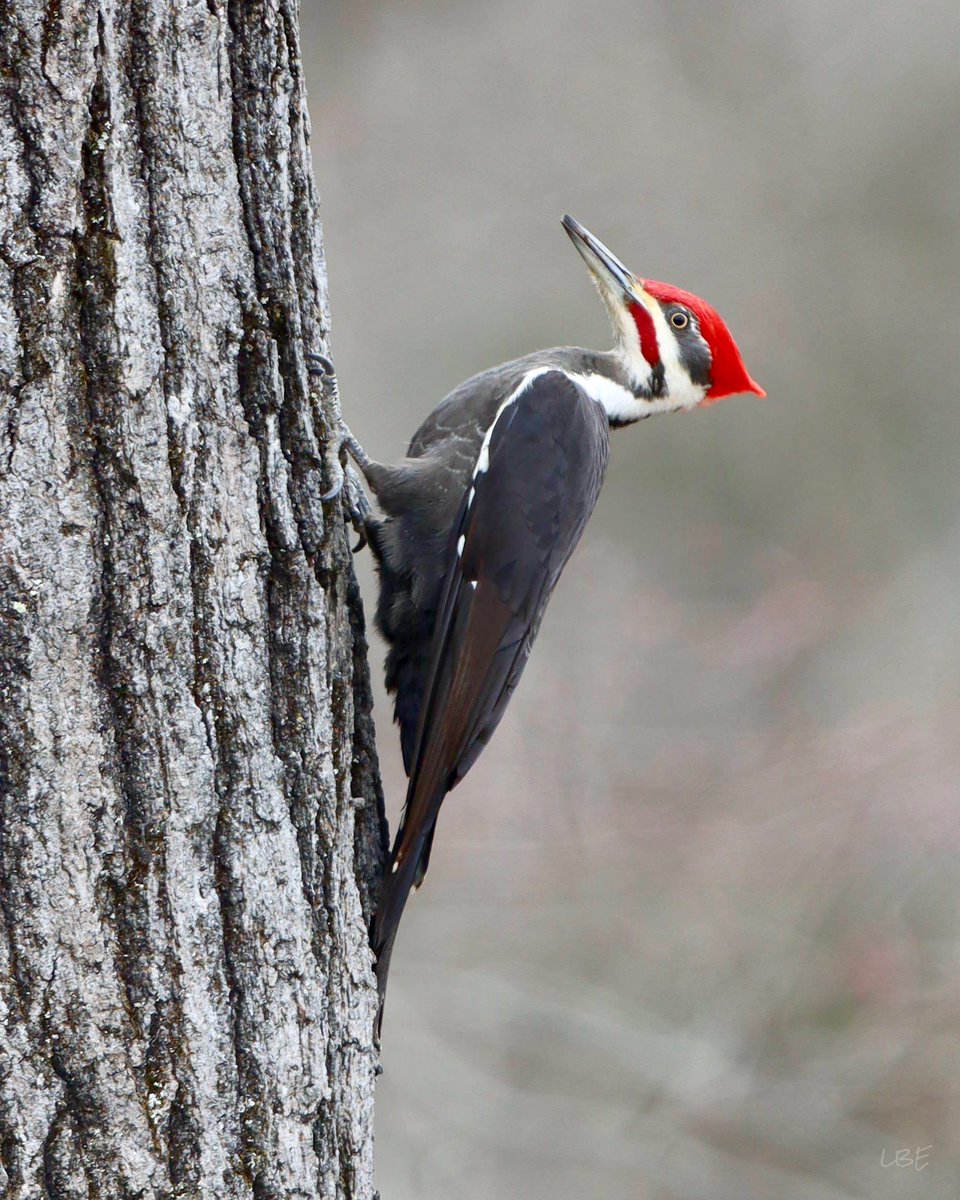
(190, 819)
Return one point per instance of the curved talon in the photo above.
(323, 367)
(356, 507)
(335, 471)
(335, 491)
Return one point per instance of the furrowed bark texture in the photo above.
(190, 818)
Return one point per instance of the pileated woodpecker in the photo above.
(483, 513)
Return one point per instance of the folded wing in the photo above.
(535, 485)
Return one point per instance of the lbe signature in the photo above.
(918, 1158)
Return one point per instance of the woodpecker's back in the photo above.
(421, 498)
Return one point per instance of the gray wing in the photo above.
(518, 525)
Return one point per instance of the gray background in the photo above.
(690, 928)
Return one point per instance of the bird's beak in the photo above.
(606, 268)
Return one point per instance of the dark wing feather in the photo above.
(518, 526)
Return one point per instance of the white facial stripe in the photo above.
(680, 391)
(679, 387)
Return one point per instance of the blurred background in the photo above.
(691, 925)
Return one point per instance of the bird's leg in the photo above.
(357, 506)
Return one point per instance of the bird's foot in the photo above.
(320, 367)
(356, 505)
(345, 479)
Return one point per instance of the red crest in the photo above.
(728, 373)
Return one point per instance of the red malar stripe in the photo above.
(649, 347)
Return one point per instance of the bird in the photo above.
(481, 516)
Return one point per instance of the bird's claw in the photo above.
(337, 488)
(321, 367)
(356, 505)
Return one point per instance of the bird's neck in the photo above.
(610, 380)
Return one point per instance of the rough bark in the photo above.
(190, 818)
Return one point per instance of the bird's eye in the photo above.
(679, 320)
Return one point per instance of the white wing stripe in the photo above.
(483, 460)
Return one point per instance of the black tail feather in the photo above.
(393, 898)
